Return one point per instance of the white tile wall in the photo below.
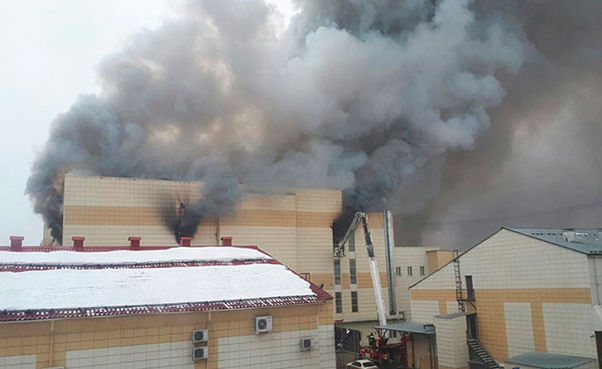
(404, 257)
(569, 329)
(511, 260)
(18, 362)
(452, 350)
(171, 355)
(278, 350)
(327, 354)
(519, 328)
(423, 310)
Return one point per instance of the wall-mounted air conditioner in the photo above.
(200, 353)
(263, 324)
(306, 344)
(200, 336)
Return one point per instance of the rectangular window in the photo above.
(398, 271)
(352, 242)
(337, 271)
(352, 271)
(421, 270)
(469, 288)
(354, 306)
(338, 302)
(410, 271)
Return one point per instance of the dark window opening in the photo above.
(354, 305)
(410, 271)
(352, 271)
(469, 288)
(338, 302)
(337, 271)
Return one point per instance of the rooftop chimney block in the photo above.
(78, 242)
(185, 241)
(226, 241)
(134, 242)
(16, 243)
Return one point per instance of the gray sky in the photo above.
(50, 52)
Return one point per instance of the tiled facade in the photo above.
(422, 260)
(293, 225)
(530, 296)
(452, 351)
(164, 340)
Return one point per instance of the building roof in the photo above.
(585, 241)
(59, 284)
(547, 360)
(412, 327)
(57, 257)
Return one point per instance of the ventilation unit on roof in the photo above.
(200, 353)
(305, 344)
(569, 236)
(263, 324)
(200, 336)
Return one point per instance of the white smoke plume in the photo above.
(358, 95)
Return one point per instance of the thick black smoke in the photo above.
(358, 95)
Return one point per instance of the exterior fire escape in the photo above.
(478, 356)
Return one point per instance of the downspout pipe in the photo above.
(389, 244)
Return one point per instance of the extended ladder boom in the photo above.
(363, 218)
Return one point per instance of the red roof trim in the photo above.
(110, 311)
(116, 248)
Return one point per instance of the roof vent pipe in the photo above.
(185, 241)
(78, 242)
(134, 242)
(569, 236)
(226, 241)
(16, 243)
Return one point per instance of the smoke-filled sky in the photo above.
(458, 116)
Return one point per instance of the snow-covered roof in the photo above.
(206, 254)
(134, 282)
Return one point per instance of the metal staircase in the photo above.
(480, 356)
(459, 297)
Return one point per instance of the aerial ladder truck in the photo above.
(362, 218)
(379, 347)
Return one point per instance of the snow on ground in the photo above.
(69, 288)
(176, 254)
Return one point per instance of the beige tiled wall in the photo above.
(293, 225)
(512, 268)
(164, 340)
(405, 257)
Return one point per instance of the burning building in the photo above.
(293, 225)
